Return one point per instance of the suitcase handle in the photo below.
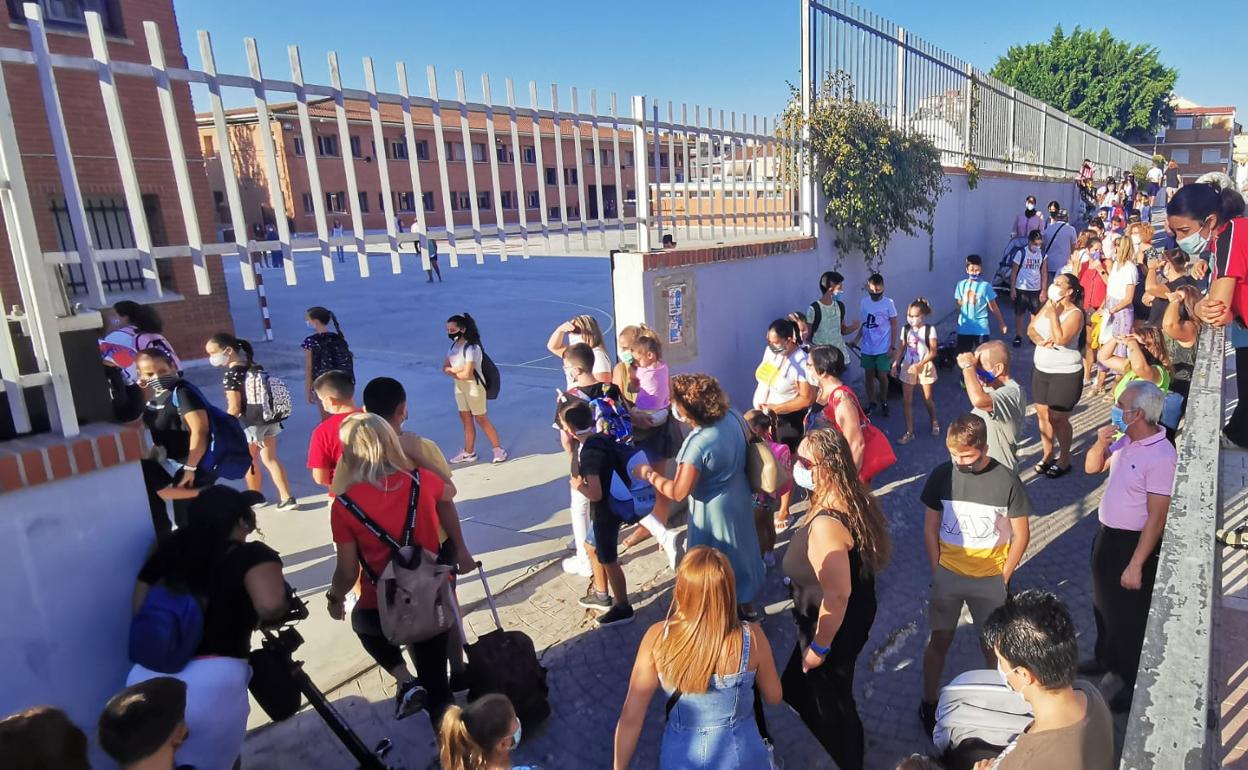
(489, 596)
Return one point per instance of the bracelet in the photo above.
(820, 651)
(191, 468)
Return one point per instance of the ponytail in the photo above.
(469, 735)
(326, 316)
(225, 340)
(472, 336)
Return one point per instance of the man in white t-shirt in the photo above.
(876, 337)
(1028, 282)
(1059, 241)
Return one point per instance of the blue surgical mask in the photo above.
(1116, 417)
(973, 276)
(626, 357)
(1194, 244)
(838, 294)
(803, 477)
(515, 737)
(984, 376)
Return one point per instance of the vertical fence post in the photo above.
(967, 113)
(901, 78)
(1066, 142)
(1044, 148)
(641, 187)
(1009, 134)
(805, 191)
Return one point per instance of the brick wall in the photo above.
(96, 166)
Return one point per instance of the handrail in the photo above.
(1171, 725)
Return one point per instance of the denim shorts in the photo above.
(256, 434)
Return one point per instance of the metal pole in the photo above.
(1044, 150)
(966, 122)
(642, 189)
(805, 192)
(901, 78)
(1009, 151)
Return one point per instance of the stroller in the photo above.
(1001, 280)
(977, 716)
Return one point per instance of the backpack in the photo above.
(335, 355)
(487, 374)
(630, 498)
(267, 395)
(167, 629)
(145, 340)
(613, 419)
(228, 456)
(814, 325)
(414, 595)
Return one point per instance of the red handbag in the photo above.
(877, 452)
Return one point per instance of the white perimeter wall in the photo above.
(733, 302)
(72, 549)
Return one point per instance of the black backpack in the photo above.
(814, 325)
(336, 355)
(487, 374)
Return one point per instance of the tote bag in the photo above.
(877, 452)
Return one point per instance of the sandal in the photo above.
(1235, 538)
(906, 438)
(1055, 471)
(936, 429)
(780, 525)
(1042, 467)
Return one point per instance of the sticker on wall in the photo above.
(675, 313)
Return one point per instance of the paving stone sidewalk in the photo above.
(589, 667)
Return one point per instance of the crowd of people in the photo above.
(1099, 303)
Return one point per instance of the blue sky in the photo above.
(731, 54)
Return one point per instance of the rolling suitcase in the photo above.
(506, 662)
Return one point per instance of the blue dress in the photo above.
(715, 730)
(721, 510)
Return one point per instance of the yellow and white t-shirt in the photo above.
(975, 512)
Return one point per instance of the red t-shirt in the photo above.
(1094, 289)
(1230, 260)
(325, 448)
(388, 509)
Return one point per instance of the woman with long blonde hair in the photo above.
(377, 489)
(481, 735)
(1120, 277)
(839, 547)
(708, 663)
(582, 328)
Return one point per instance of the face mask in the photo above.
(219, 358)
(626, 357)
(161, 384)
(575, 339)
(680, 417)
(914, 322)
(311, 326)
(973, 276)
(569, 372)
(515, 737)
(1004, 674)
(968, 468)
(1030, 207)
(1194, 244)
(454, 337)
(875, 295)
(838, 294)
(1055, 293)
(803, 477)
(985, 376)
(1033, 248)
(1117, 418)
(1136, 240)
(776, 348)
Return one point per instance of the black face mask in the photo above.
(455, 337)
(875, 295)
(965, 468)
(776, 348)
(159, 385)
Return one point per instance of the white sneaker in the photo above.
(464, 457)
(578, 565)
(500, 455)
(671, 546)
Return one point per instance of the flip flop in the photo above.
(1235, 538)
(906, 438)
(1042, 467)
(936, 430)
(1055, 471)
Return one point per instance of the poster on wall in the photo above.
(675, 314)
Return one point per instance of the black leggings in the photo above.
(1121, 614)
(1237, 427)
(824, 699)
(430, 658)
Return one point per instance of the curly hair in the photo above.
(838, 487)
(700, 397)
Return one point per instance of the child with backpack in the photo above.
(133, 329)
(763, 428)
(914, 363)
(324, 351)
(465, 364)
(876, 339)
(603, 473)
(261, 402)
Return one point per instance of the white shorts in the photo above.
(216, 710)
(256, 434)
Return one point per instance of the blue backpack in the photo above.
(613, 419)
(167, 630)
(228, 456)
(630, 497)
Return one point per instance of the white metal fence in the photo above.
(967, 114)
(717, 176)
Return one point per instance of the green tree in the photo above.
(1112, 85)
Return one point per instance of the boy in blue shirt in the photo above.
(975, 297)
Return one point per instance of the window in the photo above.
(1183, 122)
(528, 154)
(509, 199)
(569, 176)
(552, 178)
(1182, 157)
(363, 203)
(381, 202)
(298, 143)
(454, 151)
(209, 147)
(608, 157)
(404, 201)
(553, 213)
(427, 199)
(355, 147)
(71, 14)
(1213, 155)
(398, 150)
(327, 145)
(422, 150)
(630, 196)
(460, 201)
(483, 200)
(629, 159)
(662, 159)
(533, 200)
(478, 152)
(587, 155)
(308, 207)
(504, 154)
(336, 202)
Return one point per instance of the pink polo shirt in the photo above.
(1136, 470)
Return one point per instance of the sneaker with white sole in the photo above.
(464, 457)
(410, 698)
(619, 615)
(670, 543)
(500, 455)
(578, 565)
(289, 504)
(598, 602)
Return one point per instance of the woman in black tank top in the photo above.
(831, 564)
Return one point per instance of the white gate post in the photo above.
(1009, 150)
(1044, 149)
(805, 196)
(642, 194)
(966, 117)
(901, 78)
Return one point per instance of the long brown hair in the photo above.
(839, 490)
(1153, 342)
(471, 734)
(702, 625)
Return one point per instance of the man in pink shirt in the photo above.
(1141, 465)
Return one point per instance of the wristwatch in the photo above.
(964, 367)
